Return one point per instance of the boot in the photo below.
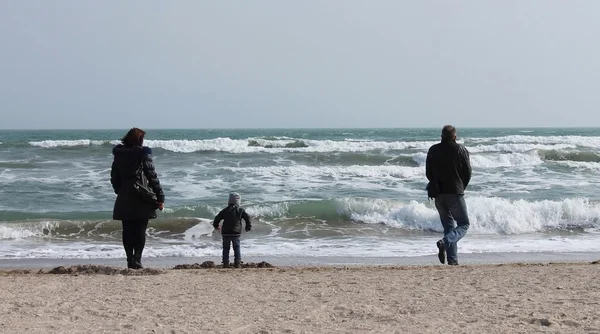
(237, 263)
(225, 264)
(137, 262)
(130, 264)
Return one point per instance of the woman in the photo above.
(130, 160)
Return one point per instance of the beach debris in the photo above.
(596, 262)
(212, 265)
(542, 322)
(19, 272)
(203, 265)
(101, 270)
(262, 264)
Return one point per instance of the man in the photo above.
(448, 170)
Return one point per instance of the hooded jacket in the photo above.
(449, 167)
(232, 217)
(128, 205)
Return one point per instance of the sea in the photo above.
(353, 193)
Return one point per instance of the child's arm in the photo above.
(218, 219)
(247, 220)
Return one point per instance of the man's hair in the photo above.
(135, 137)
(448, 132)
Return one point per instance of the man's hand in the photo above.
(248, 229)
(161, 206)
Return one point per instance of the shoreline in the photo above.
(299, 262)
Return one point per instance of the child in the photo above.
(231, 230)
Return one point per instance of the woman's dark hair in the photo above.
(135, 137)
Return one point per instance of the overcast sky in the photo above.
(335, 63)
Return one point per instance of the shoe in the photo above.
(453, 263)
(441, 251)
(237, 263)
(130, 264)
(225, 264)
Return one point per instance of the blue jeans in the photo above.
(455, 220)
(227, 241)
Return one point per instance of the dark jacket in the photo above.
(232, 217)
(128, 205)
(449, 167)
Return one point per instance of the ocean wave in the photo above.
(488, 215)
(579, 156)
(251, 145)
(507, 144)
(517, 148)
(273, 144)
(505, 160)
(89, 229)
(26, 229)
(571, 141)
(71, 143)
(254, 145)
(335, 172)
(492, 160)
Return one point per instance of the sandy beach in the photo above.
(506, 298)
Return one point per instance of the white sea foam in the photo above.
(210, 248)
(335, 172)
(27, 230)
(6, 232)
(493, 160)
(571, 141)
(503, 216)
(203, 228)
(518, 148)
(251, 145)
(516, 144)
(505, 160)
(261, 145)
(271, 210)
(487, 215)
(67, 143)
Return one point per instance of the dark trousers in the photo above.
(134, 238)
(227, 241)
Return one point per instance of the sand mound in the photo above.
(100, 270)
(211, 264)
(19, 272)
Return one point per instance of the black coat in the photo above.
(128, 205)
(232, 217)
(449, 167)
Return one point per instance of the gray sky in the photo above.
(337, 63)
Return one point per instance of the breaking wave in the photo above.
(487, 215)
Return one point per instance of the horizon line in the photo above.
(305, 128)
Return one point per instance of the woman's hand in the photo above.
(161, 206)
